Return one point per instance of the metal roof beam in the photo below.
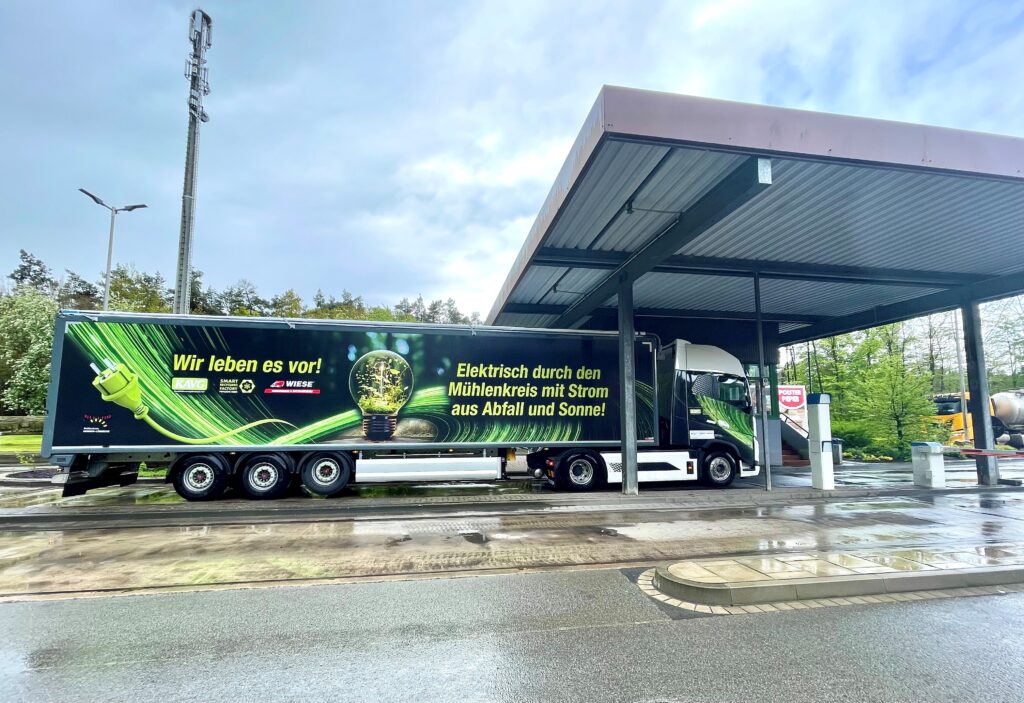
(980, 291)
(746, 181)
(548, 309)
(785, 270)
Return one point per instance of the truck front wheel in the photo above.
(265, 476)
(200, 477)
(579, 472)
(719, 469)
(326, 473)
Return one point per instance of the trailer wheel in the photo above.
(265, 476)
(326, 473)
(579, 472)
(719, 469)
(200, 477)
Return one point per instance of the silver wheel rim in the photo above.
(199, 477)
(581, 472)
(325, 472)
(719, 468)
(263, 476)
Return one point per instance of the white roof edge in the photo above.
(728, 125)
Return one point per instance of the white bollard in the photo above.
(929, 464)
(819, 441)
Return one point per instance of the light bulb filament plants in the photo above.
(381, 383)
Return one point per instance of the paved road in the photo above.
(582, 636)
(54, 560)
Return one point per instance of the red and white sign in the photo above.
(792, 397)
(292, 388)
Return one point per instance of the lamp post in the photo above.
(110, 241)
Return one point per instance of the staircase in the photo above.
(790, 457)
(794, 443)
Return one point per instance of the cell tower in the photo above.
(199, 33)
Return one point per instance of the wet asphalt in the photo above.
(579, 636)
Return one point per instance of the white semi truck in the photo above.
(262, 403)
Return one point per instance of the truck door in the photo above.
(717, 406)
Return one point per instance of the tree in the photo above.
(76, 293)
(891, 396)
(137, 291)
(287, 304)
(26, 338)
(202, 301)
(243, 300)
(32, 272)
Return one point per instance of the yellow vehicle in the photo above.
(1006, 409)
(949, 411)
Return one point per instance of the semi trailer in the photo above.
(260, 404)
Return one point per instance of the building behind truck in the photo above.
(263, 403)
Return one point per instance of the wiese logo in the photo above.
(189, 385)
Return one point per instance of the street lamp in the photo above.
(110, 241)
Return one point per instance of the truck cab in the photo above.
(705, 428)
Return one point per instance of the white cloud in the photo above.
(398, 152)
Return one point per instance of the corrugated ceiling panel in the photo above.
(790, 326)
(828, 298)
(684, 177)
(618, 170)
(836, 213)
(825, 298)
(573, 285)
(683, 292)
(537, 281)
(517, 320)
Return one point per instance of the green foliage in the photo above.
(383, 383)
(137, 291)
(891, 399)
(26, 338)
(31, 272)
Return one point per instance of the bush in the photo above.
(853, 434)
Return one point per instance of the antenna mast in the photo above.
(199, 32)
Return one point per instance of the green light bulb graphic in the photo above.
(380, 383)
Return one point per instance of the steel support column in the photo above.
(627, 387)
(763, 385)
(977, 384)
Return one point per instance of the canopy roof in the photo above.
(850, 222)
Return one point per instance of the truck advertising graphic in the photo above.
(259, 405)
(162, 382)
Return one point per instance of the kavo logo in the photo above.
(189, 385)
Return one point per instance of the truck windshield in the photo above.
(732, 390)
(947, 406)
(724, 387)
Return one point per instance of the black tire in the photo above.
(326, 473)
(718, 469)
(200, 477)
(265, 477)
(579, 472)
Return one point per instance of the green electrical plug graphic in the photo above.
(119, 385)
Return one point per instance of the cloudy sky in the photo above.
(396, 149)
